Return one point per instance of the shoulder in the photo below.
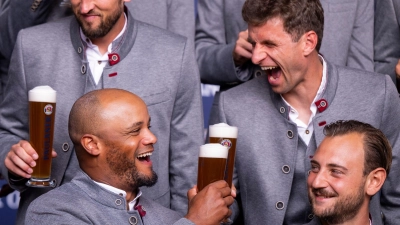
(50, 28)
(153, 34)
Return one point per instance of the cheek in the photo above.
(310, 178)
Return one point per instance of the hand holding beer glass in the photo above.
(225, 135)
(42, 109)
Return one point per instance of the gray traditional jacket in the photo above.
(153, 63)
(82, 201)
(272, 161)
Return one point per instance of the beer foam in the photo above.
(42, 94)
(223, 130)
(213, 151)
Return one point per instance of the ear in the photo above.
(310, 39)
(375, 180)
(91, 144)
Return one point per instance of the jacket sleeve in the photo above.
(361, 49)
(14, 111)
(390, 193)
(14, 16)
(386, 37)
(186, 132)
(181, 18)
(213, 52)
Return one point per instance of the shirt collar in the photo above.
(120, 193)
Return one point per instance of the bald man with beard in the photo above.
(110, 129)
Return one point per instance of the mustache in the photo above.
(323, 192)
(92, 12)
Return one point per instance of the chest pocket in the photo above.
(158, 97)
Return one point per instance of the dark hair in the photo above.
(377, 149)
(299, 16)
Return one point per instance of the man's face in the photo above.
(129, 145)
(97, 17)
(278, 55)
(336, 185)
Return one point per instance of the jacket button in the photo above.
(290, 134)
(118, 202)
(311, 216)
(285, 169)
(279, 205)
(258, 73)
(282, 110)
(83, 69)
(65, 147)
(133, 220)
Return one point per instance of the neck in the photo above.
(302, 96)
(105, 41)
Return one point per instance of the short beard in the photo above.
(126, 170)
(344, 209)
(105, 25)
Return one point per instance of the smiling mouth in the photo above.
(144, 156)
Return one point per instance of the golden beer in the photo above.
(212, 164)
(42, 108)
(225, 135)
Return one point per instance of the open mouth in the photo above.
(273, 72)
(144, 156)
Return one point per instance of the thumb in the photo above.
(191, 193)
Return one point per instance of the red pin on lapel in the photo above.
(321, 104)
(113, 58)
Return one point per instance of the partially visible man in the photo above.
(103, 46)
(110, 129)
(176, 16)
(387, 38)
(281, 114)
(348, 168)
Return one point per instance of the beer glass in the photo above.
(212, 163)
(225, 135)
(42, 109)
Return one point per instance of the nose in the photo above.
(258, 54)
(317, 180)
(149, 138)
(86, 6)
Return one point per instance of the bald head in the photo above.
(92, 112)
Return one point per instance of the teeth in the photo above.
(145, 154)
(268, 67)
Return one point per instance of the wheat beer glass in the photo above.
(225, 135)
(42, 109)
(212, 163)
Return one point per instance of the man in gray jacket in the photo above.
(281, 114)
(223, 52)
(176, 16)
(110, 129)
(103, 46)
